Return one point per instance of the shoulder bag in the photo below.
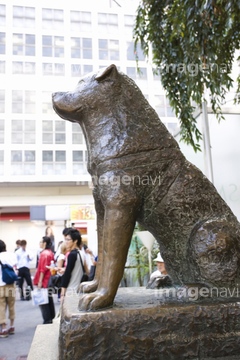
(85, 276)
(8, 274)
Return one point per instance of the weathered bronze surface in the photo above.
(139, 174)
(141, 325)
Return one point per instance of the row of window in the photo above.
(54, 19)
(53, 132)
(48, 156)
(24, 102)
(59, 69)
(23, 162)
(80, 48)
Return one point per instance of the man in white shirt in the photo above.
(23, 260)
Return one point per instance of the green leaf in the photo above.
(193, 46)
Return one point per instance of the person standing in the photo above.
(76, 261)
(160, 277)
(91, 263)
(49, 233)
(42, 276)
(23, 260)
(18, 245)
(7, 293)
(61, 264)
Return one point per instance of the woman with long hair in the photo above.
(42, 276)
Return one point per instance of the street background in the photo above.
(28, 316)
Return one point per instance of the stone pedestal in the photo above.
(142, 325)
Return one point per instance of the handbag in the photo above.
(85, 276)
(8, 274)
(92, 272)
(55, 281)
(40, 296)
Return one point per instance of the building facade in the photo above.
(43, 158)
(47, 47)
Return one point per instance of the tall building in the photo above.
(47, 47)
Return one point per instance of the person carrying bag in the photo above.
(7, 290)
(41, 279)
(75, 268)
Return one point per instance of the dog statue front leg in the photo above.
(118, 228)
(90, 286)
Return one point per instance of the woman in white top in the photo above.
(75, 262)
(7, 293)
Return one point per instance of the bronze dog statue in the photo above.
(140, 174)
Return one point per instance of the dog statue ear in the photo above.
(109, 72)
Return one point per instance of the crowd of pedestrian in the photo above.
(68, 264)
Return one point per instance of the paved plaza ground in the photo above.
(28, 316)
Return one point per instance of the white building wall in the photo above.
(225, 149)
(224, 136)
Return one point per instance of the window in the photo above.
(47, 156)
(108, 49)
(47, 128)
(2, 124)
(2, 101)
(80, 70)
(23, 101)
(81, 48)
(156, 75)
(129, 23)
(24, 44)
(23, 131)
(30, 102)
(22, 162)
(108, 23)
(17, 101)
(77, 135)
(55, 69)
(52, 19)
(160, 105)
(133, 73)
(54, 162)
(79, 162)
(2, 43)
(47, 102)
(131, 53)
(23, 17)
(52, 46)
(54, 132)
(170, 112)
(173, 127)
(22, 67)
(2, 15)
(80, 21)
(60, 132)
